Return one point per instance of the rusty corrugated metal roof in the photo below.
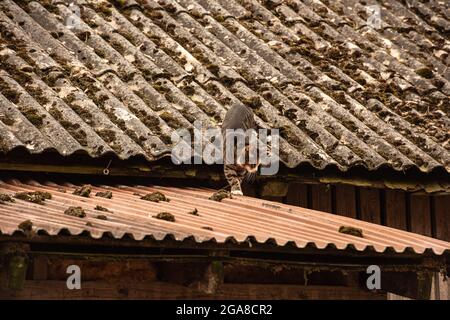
(238, 219)
(341, 92)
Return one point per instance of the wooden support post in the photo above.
(214, 274)
(13, 266)
(212, 279)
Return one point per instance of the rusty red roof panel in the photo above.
(239, 218)
(126, 74)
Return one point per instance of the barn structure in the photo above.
(91, 90)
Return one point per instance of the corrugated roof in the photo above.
(341, 92)
(236, 220)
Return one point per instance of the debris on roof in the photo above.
(34, 196)
(5, 198)
(101, 217)
(75, 211)
(100, 208)
(83, 191)
(165, 216)
(155, 197)
(105, 194)
(357, 232)
(26, 225)
(220, 195)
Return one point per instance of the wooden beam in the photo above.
(163, 290)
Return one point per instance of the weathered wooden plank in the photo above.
(345, 201)
(321, 197)
(420, 215)
(396, 209)
(408, 284)
(370, 205)
(163, 290)
(297, 195)
(40, 268)
(442, 214)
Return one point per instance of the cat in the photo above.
(239, 116)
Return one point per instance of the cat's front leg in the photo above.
(234, 178)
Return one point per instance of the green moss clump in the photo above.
(6, 198)
(83, 113)
(32, 116)
(10, 94)
(219, 18)
(36, 197)
(361, 80)
(220, 195)
(156, 15)
(213, 68)
(100, 208)
(252, 102)
(289, 135)
(155, 197)
(357, 232)
(425, 73)
(26, 225)
(75, 212)
(188, 90)
(339, 97)
(108, 135)
(165, 216)
(83, 191)
(170, 119)
(104, 194)
(120, 3)
(169, 7)
(261, 114)
(150, 121)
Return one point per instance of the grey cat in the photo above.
(239, 116)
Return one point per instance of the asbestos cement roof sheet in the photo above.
(125, 74)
